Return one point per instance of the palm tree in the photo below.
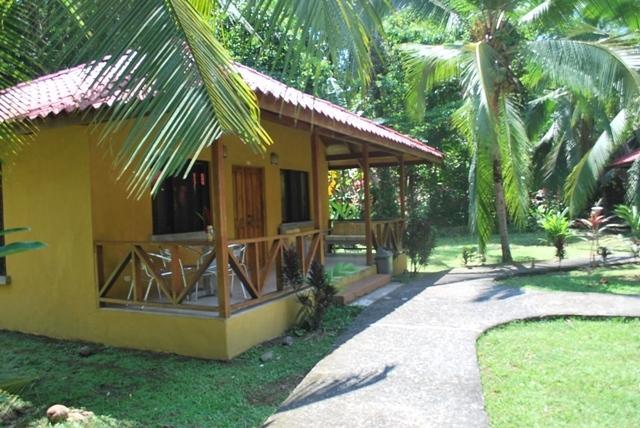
(168, 48)
(511, 48)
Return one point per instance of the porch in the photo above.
(181, 278)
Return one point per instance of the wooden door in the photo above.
(248, 204)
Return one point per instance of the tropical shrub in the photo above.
(631, 216)
(291, 270)
(556, 228)
(344, 211)
(468, 254)
(596, 224)
(317, 301)
(420, 240)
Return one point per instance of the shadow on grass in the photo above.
(328, 388)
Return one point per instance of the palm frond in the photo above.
(448, 13)
(425, 66)
(481, 196)
(340, 30)
(20, 247)
(600, 69)
(625, 12)
(14, 68)
(172, 85)
(582, 181)
(550, 12)
(515, 159)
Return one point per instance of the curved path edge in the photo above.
(409, 360)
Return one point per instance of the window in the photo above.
(295, 196)
(183, 205)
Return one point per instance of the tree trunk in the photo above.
(501, 212)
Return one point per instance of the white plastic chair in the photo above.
(239, 252)
(164, 257)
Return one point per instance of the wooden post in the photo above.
(218, 175)
(367, 203)
(402, 189)
(318, 180)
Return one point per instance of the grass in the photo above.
(525, 247)
(562, 373)
(617, 280)
(139, 389)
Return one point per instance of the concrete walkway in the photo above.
(409, 360)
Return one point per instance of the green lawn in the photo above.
(562, 372)
(524, 248)
(138, 389)
(616, 279)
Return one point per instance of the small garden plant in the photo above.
(596, 224)
(291, 271)
(315, 303)
(420, 240)
(556, 228)
(468, 255)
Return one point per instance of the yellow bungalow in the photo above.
(145, 273)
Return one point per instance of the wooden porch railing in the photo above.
(388, 234)
(172, 269)
(384, 233)
(129, 272)
(265, 255)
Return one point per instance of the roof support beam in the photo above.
(352, 156)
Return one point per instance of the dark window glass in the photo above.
(295, 196)
(183, 205)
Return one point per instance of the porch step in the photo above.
(361, 287)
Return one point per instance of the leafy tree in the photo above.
(440, 193)
(385, 194)
(505, 39)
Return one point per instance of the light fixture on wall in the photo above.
(275, 160)
(224, 151)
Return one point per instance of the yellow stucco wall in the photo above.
(64, 187)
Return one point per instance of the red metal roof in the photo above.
(626, 160)
(67, 91)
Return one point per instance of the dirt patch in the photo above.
(273, 393)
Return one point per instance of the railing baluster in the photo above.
(176, 271)
(136, 274)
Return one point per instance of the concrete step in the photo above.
(361, 287)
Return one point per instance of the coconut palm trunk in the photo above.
(501, 212)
